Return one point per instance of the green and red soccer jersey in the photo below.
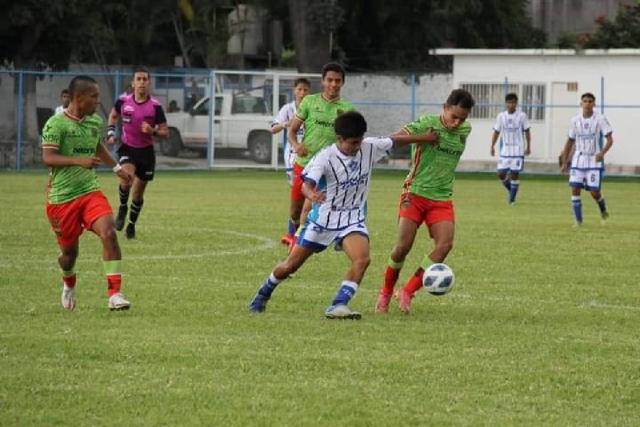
(72, 138)
(433, 167)
(318, 115)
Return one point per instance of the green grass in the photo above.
(540, 330)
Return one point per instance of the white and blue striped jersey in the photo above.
(345, 181)
(285, 115)
(511, 128)
(587, 133)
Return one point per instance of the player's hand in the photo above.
(600, 157)
(527, 151)
(565, 168)
(301, 150)
(316, 196)
(493, 151)
(146, 128)
(88, 162)
(110, 140)
(125, 176)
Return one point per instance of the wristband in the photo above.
(117, 168)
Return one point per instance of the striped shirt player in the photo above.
(285, 115)
(586, 133)
(345, 180)
(511, 128)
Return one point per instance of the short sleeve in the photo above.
(161, 118)
(118, 105)
(525, 123)
(605, 126)
(281, 117)
(380, 147)
(315, 169)
(497, 126)
(52, 134)
(421, 125)
(303, 109)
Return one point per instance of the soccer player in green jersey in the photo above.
(317, 113)
(71, 147)
(426, 197)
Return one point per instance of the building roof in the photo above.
(535, 52)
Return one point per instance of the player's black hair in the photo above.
(301, 81)
(79, 84)
(511, 97)
(461, 98)
(350, 125)
(65, 92)
(333, 66)
(141, 70)
(588, 95)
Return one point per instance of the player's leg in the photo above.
(297, 199)
(289, 162)
(503, 169)
(576, 182)
(517, 165)
(356, 246)
(145, 169)
(440, 220)
(410, 216)
(98, 217)
(66, 223)
(126, 161)
(594, 184)
(296, 258)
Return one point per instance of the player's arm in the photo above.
(292, 136)
(527, 139)
(494, 140)
(312, 174)
(112, 121)
(606, 148)
(564, 160)
(106, 158)
(162, 130)
(401, 138)
(280, 122)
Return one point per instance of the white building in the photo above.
(549, 84)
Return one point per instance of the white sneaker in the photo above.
(341, 312)
(117, 302)
(68, 298)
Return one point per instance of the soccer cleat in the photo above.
(286, 239)
(341, 311)
(122, 215)
(259, 303)
(68, 298)
(118, 303)
(382, 306)
(130, 232)
(605, 216)
(404, 301)
(577, 224)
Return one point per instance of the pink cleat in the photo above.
(382, 306)
(404, 301)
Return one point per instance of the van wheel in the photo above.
(171, 146)
(260, 148)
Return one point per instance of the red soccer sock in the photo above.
(69, 281)
(415, 282)
(390, 279)
(114, 281)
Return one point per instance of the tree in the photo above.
(622, 32)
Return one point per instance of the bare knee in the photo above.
(361, 264)
(67, 258)
(443, 247)
(401, 250)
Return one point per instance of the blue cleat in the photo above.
(258, 303)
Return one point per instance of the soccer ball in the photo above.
(438, 279)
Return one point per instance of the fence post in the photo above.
(413, 97)
(212, 122)
(20, 119)
(601, 94)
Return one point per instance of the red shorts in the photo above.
(420, 209)
(296, 188)
(69, 219)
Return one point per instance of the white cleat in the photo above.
(341, 312)
(117, 302)
(68, 298)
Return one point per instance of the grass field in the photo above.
(540, 330)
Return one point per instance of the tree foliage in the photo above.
(622, 32)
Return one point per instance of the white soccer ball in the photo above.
(438, 279)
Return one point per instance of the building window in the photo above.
(490, 99)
